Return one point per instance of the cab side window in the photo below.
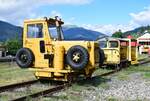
(113, 44)
(35, 31)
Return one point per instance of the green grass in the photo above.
(146, 75)
(143, 69)
(104, 86)
(123, 76)
(111, 98)
(101, 71)
(142, 56)
(11, 73)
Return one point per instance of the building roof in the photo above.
(146, 36)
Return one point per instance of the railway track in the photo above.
(34, 95)
(106, 74)
(53, 89)
(144, 62)
(57, 88)
(17, 85)
(44, 92)
(141, 61)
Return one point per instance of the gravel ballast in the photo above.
(134, 88)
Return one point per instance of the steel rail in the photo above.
(17, 85)
(144, 62)
(43, 93)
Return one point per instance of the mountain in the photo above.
(137, 32)
(79, 33)
(71, 32)
(9, 31)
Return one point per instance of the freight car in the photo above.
(45, 50)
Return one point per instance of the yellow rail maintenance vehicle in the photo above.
(119, 52)
(45, 50)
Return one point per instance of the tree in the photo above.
(118, 34)
(148, 28)
(13, 45)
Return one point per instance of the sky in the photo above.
(106, 16)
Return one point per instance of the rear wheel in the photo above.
(102, 57)
(24, 58)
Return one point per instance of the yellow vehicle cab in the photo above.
(45, 50)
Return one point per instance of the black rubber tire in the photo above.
(84, 57)
(102, 57)
(24, 58)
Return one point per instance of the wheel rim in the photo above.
(77, 57)
(23, 57)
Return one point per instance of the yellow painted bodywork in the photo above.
(112, 55)
(58, 70)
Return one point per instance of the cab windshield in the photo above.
(103, 44)
(55, 32)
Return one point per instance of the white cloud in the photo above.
(55, 13)
(15, 11)
(70, 21)
(141, 18)
(137, 19)
(72, 2)
(108, 29)
(7, 4)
